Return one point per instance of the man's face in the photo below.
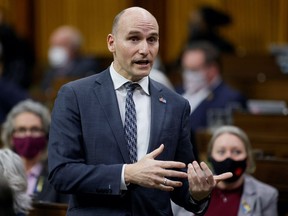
(134, 44)
(195, 72)
(194, 61)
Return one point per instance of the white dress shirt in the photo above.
(196, 98)
(142, 102)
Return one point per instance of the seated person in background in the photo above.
(65, 57)
(229, 150)
(26, 132)
(13, 179)
(203, 86)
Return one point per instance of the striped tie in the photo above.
(130, 125)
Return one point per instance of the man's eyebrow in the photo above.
(138, 32)
(155, 34)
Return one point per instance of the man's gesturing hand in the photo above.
(202, 181)
(152, 173)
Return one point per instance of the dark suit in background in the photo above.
(222, 97)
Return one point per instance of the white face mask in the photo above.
(193, 81)
(57, 56)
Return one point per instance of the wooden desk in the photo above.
(48, 209)
(275, 172)
(267, 133)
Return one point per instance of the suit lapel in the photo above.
(106, 95)
(158, 109)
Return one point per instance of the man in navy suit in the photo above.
(210, 98)
(88, 152)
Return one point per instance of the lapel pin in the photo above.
(162, 100)
(245, 207)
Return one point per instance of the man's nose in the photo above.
(144, 47)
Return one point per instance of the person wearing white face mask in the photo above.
(203, 86)
(196, 87)
(65, 58)
(58, 56)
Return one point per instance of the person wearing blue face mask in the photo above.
(25, 131)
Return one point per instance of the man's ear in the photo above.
(111, 43)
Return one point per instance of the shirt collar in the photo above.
(119, 80)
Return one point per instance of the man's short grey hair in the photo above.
(24, 106)
(72, 34)
(116, 21)
(13, 171)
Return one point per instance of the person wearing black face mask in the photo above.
(25, 131)
(229, 150)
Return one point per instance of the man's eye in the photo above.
(134, 39)
(152, 40)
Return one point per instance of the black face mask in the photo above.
(229, 165)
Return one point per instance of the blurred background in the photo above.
(255, 27)
(252, 35)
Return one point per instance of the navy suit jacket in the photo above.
(87, 149)
(221, 97)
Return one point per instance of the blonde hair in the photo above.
(242, 136)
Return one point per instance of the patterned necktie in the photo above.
(130, 125)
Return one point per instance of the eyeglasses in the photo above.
(22, 131)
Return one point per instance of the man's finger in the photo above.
(156, 152)
(223, 176)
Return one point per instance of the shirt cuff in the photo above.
(123, 185)
(200, 202)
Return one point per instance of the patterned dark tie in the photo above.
(130, 125)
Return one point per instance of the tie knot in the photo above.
(131, 86)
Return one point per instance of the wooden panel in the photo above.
(19, 14)
(256, 76)
(48, 209)
(275, 173)
(267, 133)
(272, 124)
(92, 17)
(271, 89)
